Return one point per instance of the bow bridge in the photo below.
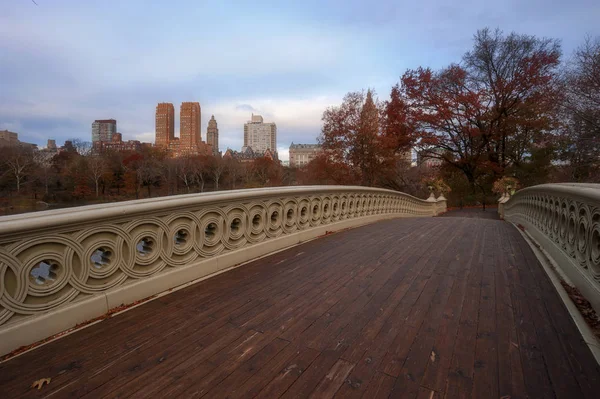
(248, 293)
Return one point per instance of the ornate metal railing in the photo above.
(62, 267)
(564, 220)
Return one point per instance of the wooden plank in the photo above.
(535, 374)
(485, 373)
(230, 385)
(460, 375)
(427, 393)
(332, 381)
(266, 374)
(286, 376)
(510, 370)
(380, 386)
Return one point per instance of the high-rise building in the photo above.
(212, 135)
(189, 129)
(9, 139)
(103, 129)
(259, 135)
(302, 154)
(165, 124)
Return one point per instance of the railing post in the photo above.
(501, 201)
(442, 204)
(433, 202)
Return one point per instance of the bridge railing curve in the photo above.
(564, 220)
(63, 267)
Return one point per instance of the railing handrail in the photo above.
(15, 224)
(587, 191)
(564, 220)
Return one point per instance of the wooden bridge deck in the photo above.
(428, 308)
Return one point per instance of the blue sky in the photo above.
(65, 63)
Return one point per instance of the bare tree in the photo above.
(19, 163)
(582, 82)
(185, 172)
(580, 139)
(217, 170)
(97, 168)
(82, 147)
(43, 162)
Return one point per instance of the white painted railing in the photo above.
(63, 267)
(564, 220)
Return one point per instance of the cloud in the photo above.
(71, 62)
(245, 107)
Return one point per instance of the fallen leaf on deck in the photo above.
(40, 383)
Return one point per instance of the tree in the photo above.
(483, 116)
(96, 167)
(234, 170)
(322, 170)
(582, 83)
(351, 136)
(82, 147)
(185, 172)
(217, 168)
(398, 134)
(579, 143)
(19, 162)
(266, 172)
(43, 162)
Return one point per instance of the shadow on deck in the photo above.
(428, 307)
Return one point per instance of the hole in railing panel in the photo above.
(595, 245)
(274, 217)
(343, 206)
(326, 209)
(315, 210)
(290, 215)
(144, 246)
(303, 211)
(335, 207)
(44, 273)
(256, 221)
(100, 258)
(235, 225)
(210, 230)
(180, 237)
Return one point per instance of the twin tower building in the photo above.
(190, 140)
(259, 137)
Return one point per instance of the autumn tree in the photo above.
(266, 172)
(351, 136)
(234, 170)
(322, 170)
(486, 114)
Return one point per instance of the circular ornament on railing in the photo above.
(304, 213)
(315, 211)
(584, 223)
(275, 219)
(255, 230)
(594, 246)
(290, 219)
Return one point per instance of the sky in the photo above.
(65, 63)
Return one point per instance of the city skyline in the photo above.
(56, 80)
